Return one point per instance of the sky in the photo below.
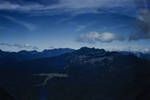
(47, 24)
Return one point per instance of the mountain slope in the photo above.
(92, 74)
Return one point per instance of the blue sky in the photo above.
(46, 24)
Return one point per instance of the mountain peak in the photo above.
(90, 51)
(88, 48)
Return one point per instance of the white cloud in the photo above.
(27, 25)
(95, 37)
(93, 3)
(107, 37)
(18, 7)
(79, 6)
(19, 46)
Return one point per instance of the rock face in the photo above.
(92, 74)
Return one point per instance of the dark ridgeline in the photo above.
(30, 55)
(93, 74)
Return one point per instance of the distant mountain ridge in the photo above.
(28, 55)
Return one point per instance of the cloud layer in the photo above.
(19, 46)
(63, 5)
(142, 24)
(93, 37)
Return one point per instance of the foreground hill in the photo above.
(84, 74)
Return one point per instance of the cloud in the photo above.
(19, 46)
(142, 22)
(76, 6)
(27, 25)
(142, 31)
(140, 4)
(6, 5)
(93, 37)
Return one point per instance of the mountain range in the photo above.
(83, 74)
